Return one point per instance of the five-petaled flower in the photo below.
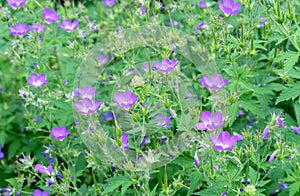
(109, 2)
(210, 121)
(202, 4)
(124, 140)
(165, 66)
(224, 142)
(228, 7)
(38, 27)
(59, 133)
(85, 92)
(214, 83)
(164, 121)
(43, 169)
(125, 99)
(38, 192)
(19, 30)
(68, 25)
(87, 106)
(50, 16)
(37, 80)
(16, 4)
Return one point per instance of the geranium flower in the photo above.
(272, 156)
(143, 9)
(50, 16)
(196, 160)
(165, 121)
(228, 7)
(91, 25)
(265, 133)
(37, 80)
(1, 153)
(165, 66)
(19, 30)
(16, 4)
(224, 142)
(38, 27)
(43, 169)
(68, 25)
(126, 99)
(38, 192)
(202, 4)
(59, 133)
(201, 26)
(124, 140)
(87, 106)
(109, 2)
(85, 92)
(210, 121)
(214, 83)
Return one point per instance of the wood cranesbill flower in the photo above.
(165, 66)
(210, 121)
(214, 83)
(272, 156)
(68, 25)
(38, 27)
(59, 133)
(145, 141)
(143, 9)
(19, 30)
(91, 25)
(125, 99)
(265, 133)
(124, 140)
(224, 142)
(1, 153)
(37, 80)
(201, 26)
(196, 160)
(50, 16)
(87, 106)
(85, 92)
(295, 129)
(38, 192)
(109, 2)
(202, 4)
(164, 121)
(16, 4)
(228, 7)
(43, 169)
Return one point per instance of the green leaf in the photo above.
(13, 182)
(252, 107)
(234, 109)
(297, 111)
(195, 181)
(115, 182)
(290, 58)
(294, 188)
(3, 136)
(290, 93)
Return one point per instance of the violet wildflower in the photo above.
(107, 117)
(223, 142)
(43, 169)
(164, 139)
(202, 4)
(262, 23)
(125, 141)
(68, 25)
(109, 2)
(280, 122)
(59, 133)
(38, 27)
(224, 193)
(51, 159)
(1, 153)
(125, 99)
(37, 80)
(91, 25)
(143, 9)
(295, 129)
(38, 192)
(87, 106)
(228, 7)
(265, 133)
(210, 121)
(164, 121)
(16, 4)
(19, 30)
(201, 26)
(165, 66)
(85, 92)
(196, 160)
(37, 119)
(173, 23)
(58, 175)
(214, 83)
(283, 186)
(50, 16)
(103, 59)
(50, 182)
(273, 156)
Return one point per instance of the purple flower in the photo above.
(295, 129)
(124, 140)
(262, 23)
(37, 80)
(224, 142)
(43, 169)
(103, 59)
(58, 175)
(273, 156)
(265, 133)
(50, 16)
(87, 106)
(50, 182)
(210, 121)
(107, 117)
(126, 99)
(1, 153)
(19, 30)
(202, 4)
(214, 83)
(85, 92)
(37, 119)
(283, 186)
(38, 192)
(165, 121)
(280, 122)
(196, 160)
(165, 66)
(91, 25)
(16, 4)
(228, 7)
(143, 9)
(60, 133)
(109, 2)
(68, 25)
(38, 27)
(145, 141)
(200, 26)
(173, 23)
